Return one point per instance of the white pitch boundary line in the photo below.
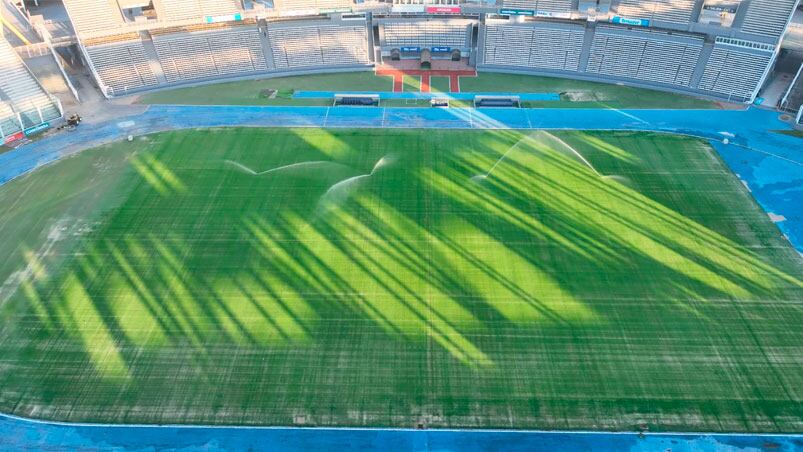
(394, 429)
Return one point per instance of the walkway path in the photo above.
(771, 164)
(20, 434)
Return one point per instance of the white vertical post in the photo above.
(41, 118)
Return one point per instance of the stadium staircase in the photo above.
(699, 70)
(153, 58)
(793, 99)
(22, 99)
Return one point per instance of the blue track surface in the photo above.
(768, 162)
(18, 434)
(385, 95)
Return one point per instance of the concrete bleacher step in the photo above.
(153, 58)
(587, 40)
(708, 47)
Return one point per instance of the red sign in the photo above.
(14, 137)
(443, 9)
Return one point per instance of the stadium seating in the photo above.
(184, 48)
(543, 6)
(309, 46)
(193, 9)
(195, 55)
(767, 17)
(734, 71)
(675, 11)
(122, 65)
(21, 92)
(8, 120)
(425, 33)
(793, 99)
(644, 55)
(93, 15)
(539, 46)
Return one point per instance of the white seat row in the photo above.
(122, 66)
(93, 15)
(733, 72)
(546, 6)
(8, 120)
(653, 57)
(425, 33)
(308, 46)
(188, 56)
(767, 17)
(21, 91)
(676, 11)
(194, 9)
(536, 47)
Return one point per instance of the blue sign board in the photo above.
(441, 49)
(226, 18)
(36, 129)
(517, 12)
(411, 49)
(626, 21)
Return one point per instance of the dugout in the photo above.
(439, 102)
(365, 100)
(497, 101)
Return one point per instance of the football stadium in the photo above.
(401, 225)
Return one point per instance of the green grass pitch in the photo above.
(565, 280)
(574, 93)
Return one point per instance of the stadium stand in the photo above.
(539, 45)
(310, 46)
(195, 55)
(792, 100)
(94, 15)
(735, 69)
(542, 6)
(8, 120)
(768, 17)
(192, 9)
(674, 11)
(121, 64)
(295, 6)
(21, 93)
(425, 33)
(644, 55)
(200, 40)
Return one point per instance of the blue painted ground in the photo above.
(771, 164)
(385, 95)
(19, 434)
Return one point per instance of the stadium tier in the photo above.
(24, 103)
(792, 101)
(702, 47)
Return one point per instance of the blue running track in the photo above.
(21, 434)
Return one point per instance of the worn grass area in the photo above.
(389, 277)
(248, 92)
(581, 94)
